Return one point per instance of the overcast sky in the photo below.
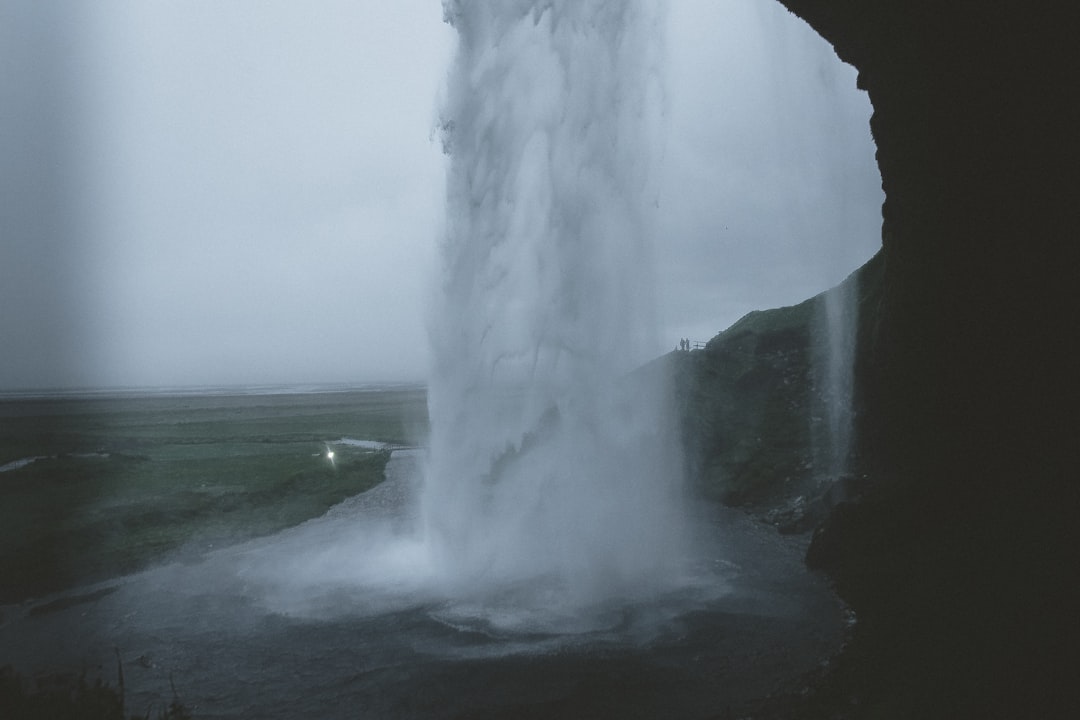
(204, 192)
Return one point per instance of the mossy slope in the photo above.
(752, 402)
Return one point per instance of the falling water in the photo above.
(549, 467)
(835, 325)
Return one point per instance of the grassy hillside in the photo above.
(752, 402)
(93, 488)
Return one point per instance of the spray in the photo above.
(550, 467)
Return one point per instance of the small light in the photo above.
(330, 454)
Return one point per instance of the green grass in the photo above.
(124, 482)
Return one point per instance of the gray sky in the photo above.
(251, 191)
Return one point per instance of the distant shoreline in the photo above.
(205, 390)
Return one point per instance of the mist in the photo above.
(253, 192)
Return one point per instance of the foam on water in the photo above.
(368, 557)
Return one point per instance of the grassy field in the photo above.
(99, 486)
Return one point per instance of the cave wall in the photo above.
(975, 121)
(967, 377)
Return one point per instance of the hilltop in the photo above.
(753, 406)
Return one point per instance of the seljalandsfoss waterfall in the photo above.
(542, 551)
(547, 465)
(337, 380)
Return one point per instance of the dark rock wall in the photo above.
(962, 562)
(975, 120)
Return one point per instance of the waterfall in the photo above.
(834, 359)
(548, 464)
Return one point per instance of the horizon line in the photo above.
(222, 389)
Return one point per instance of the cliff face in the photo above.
(961, 560)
